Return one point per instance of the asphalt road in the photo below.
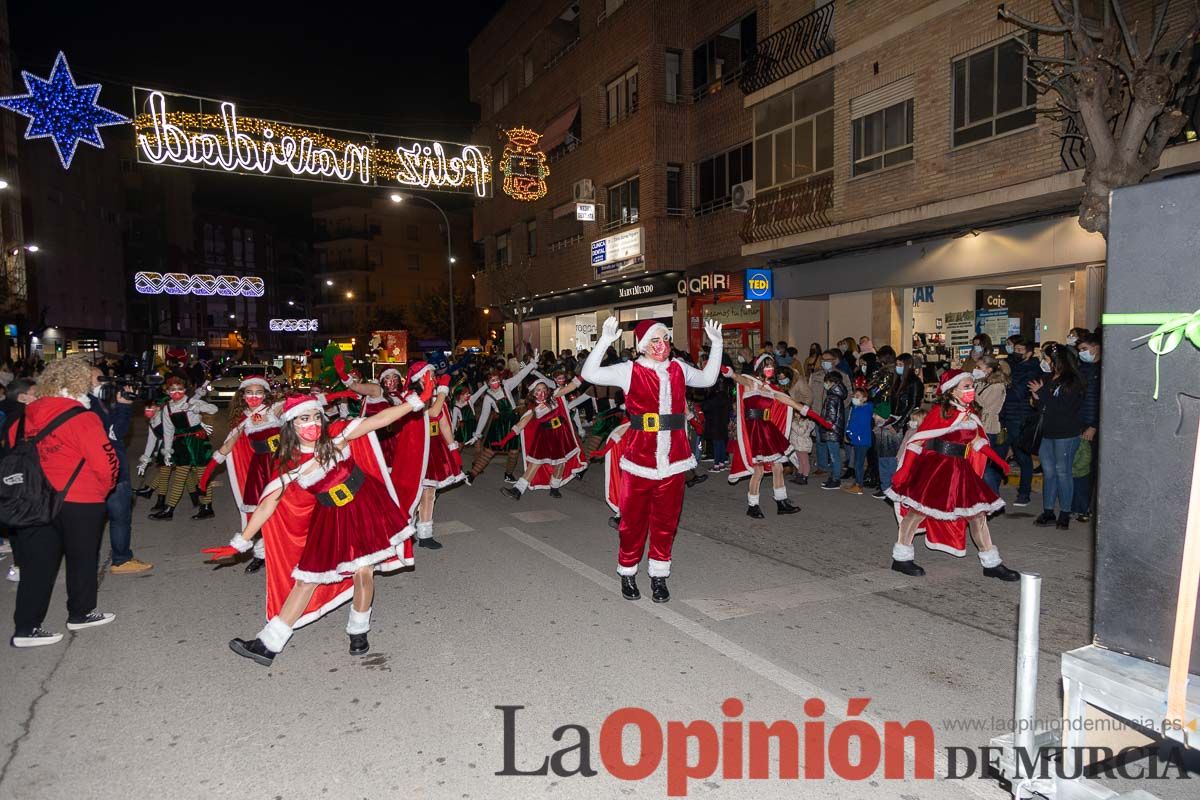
(522, 608)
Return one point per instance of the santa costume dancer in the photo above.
(549, 444)
(939, 486)
(186, 447)
(354, 521)
(444, 468)
(764, 418)
(497, 415)
(376, 397)
(656, 452)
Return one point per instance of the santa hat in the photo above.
(758, 362)
(646, 330)
(298, 404)
(390, 372)
(255, 380)
(416, 369)
(950, 379)
(544, 382)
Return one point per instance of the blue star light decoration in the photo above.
(61, 110)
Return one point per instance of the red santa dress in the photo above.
(763, 423)
(549, 439)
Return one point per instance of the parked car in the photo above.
(225, 387)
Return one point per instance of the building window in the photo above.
(716, 177)
(411, 233)
(219, 244)
(209, 246)
(500, 94)
(719, 60)
(673, 72)
(414, 262)
(527, 67)
(531, 237)
(237, 247)
(793, 133)
(674, 190)
(249, 233)
(622, 97)
(883, 138)
(623, 203)
(503, 256)
(992, 94)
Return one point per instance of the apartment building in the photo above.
(643, 123)
(905, 185)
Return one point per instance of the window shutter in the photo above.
(895, 92)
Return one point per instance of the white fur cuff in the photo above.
(521, 485)
(752, 499)
(275, 634)
(240, 543)
(219, 457)
(260, 549)
(990, 558)
(416, 403)
(626, 571)
(903, 552)
(658, 569)
(424, 530)
(781, 493)
(360, 621)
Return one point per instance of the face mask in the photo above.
(1008, 348)
(560, 381)
(309, 433)
(912, 423)
(1087, 356)
(741, 359)
(768, 372)
(858, 401)
(97, 391)
(494, 384)
(826, 365)
(150, 412)
(968, 396)
(176, 395)
(977, 350)
(1045, 366)
(899, 369)
(977, 374)
(254, 400)
(828, 385)
(1072, 339)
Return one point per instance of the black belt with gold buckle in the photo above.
(553, 424)
(656, 422)
(344, 492)
(267, 446)
(759, 413)
(946, 448)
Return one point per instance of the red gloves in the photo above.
(995, 458)
(345, 394)
(207, 476)
(218, 553)
(443, 380)
(339, 366)
(427, 385)
(817, 418)
(727, 371)
(497, 445)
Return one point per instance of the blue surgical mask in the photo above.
(1008, 348)
(826, 365)
(858, 401)
(899, 369)
(1087, 356)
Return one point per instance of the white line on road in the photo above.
(788, 681)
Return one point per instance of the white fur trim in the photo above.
(957, 552)
(359, 622)
(399, 538)
(758, 361)
(442, 390)
(345, 568)
(658, 474)
(260, 549)
(781, 493)
(301, 408)
(626, 571)
(240, 543)
(255, 381)
(414, 400)
(948, 385)
(553, 461)
(521, 485)
(453, 480)
(657, 329)
(555, 483)
(391, 372)
(314, 615)
(903, 552)
(219, 457)
(752, 499)
(990, 558)
(937, 513)
(425, 530)
(658, 569)
(275, 634)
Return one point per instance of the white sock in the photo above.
(990, 558)
(260, 549)
(275, 634)
(425, 530)
(521, 485)
(360, 621)
(903, 552)
(752, 499)
(781, 493)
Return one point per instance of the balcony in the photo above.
(804, 42)
(330, 234)
(789, 210)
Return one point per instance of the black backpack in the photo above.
(27, 498)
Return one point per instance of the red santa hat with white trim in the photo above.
(255, 380)
(297, 404)
(416, 369)
(951, 378)
(758, 362)
(390, 372)
(646, 330)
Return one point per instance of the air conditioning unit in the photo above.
(741, 194)
(585, 190)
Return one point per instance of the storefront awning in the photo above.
(558, 128)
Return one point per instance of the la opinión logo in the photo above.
(732, 748)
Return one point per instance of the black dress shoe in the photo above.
(555, 493)
(1064, 520)
(785, 507)
(429, 544)
(510, 478)
(1002, 572)
(614, 523)
(999, 512)
(359, 644)
(509, 491)
(160, 503)
(195, 497)
(254, 565)
(1045, 519)
(254, 650)
(167, 512)
(754, 511)
(145, 491)
(699, 478)
(658, 590)
(629, 589)
(205, 512)
(908, 568)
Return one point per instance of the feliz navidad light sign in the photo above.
(197, 132)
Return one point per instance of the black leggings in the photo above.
(75, 533)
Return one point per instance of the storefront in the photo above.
(719, 296)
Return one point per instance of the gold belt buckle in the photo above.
(766, 415)
(555, 424)
(273, 443)
(341, 494)
(651, 423)
(433, 428)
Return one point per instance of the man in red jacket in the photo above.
(81, 448)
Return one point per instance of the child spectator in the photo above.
(858, 434)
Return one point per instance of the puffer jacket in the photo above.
(1016, 406)
(1089, 412)
(834, 411)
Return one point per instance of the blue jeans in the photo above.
(1057, 455)
(120, 521)
(719, 451)
(1024, 460)
(860, 462)
(831, 453)
(992, 474)
(887, 470)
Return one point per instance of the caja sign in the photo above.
(760, 284)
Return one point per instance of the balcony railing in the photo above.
(804, 42)
(789, 210)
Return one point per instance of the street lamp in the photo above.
(329, 283)
(399, 198)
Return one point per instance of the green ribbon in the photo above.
(1170, 333)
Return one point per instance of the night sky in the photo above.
(397, 67)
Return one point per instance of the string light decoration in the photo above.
(226, 141)
(63, 111)
(180, 283)
(293, 325)
(525, 169)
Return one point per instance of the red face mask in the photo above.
(253, 400)
(176, 394)
(309, 433)
(768, 372)
(560, 380)
(968, 396)
(391, 384)
(659, 350)
(149, 412)
(540, 395)
(494, 383)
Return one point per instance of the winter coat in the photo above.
(858, 430)
(834, 412)
(80, 439)
(990, 397)
(907, 398)
(1089, 412)
(716, 405)
(1016, 406)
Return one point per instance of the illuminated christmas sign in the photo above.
(296, 325)
(525, 169)
(197, 132)
(179, 283)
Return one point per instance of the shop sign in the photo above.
(992, 300)
(760, 284)
(922, 294)
(732, 313)
(10, 330)
(637, 290)
(585, 212)
(618, 247)
(704, 284)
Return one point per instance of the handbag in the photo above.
(1030, 440)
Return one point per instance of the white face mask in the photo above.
(977, 374)
(1072, 339)
(1087, 356)
(1045, 365)
(858, 401)
(828, 385)
(826, 365)
(912, 424)
(1008, 348)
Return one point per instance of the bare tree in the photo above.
(510, 287)
(1120, 93)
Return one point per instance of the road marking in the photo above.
(539, 516)
(784, 679)
(452, 526)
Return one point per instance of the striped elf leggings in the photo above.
(186, 478)
(162, 478)
(485, 456)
